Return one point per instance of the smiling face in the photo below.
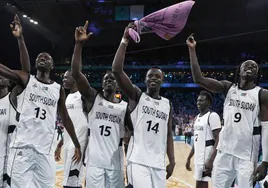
(68, 81)
(108, 82)
(154, 79)
(44, 62)
(249, 70)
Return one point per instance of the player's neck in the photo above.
(203, 112)
(109, 96)
(73, 89)
(153, 94)
(246, 85)
(43, 76)
(3, 92)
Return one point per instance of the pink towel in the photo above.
(166, 23)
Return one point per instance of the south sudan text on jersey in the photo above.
(242, 104)
(108, 117)
(42, 99)
(3, 111)
(70, 106)
(154, 112)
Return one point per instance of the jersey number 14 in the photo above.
(154, 128)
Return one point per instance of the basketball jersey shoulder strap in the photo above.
(209, 117)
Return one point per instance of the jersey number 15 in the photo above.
(105, 131)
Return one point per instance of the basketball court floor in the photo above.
(181, 178)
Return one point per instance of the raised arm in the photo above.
(68, 124)
(84, 88)
(210, 84)
(123, 81)
(24, 55)
(19, 77)
(170, 146)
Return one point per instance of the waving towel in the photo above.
(166, 23)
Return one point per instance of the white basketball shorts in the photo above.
(145, 177)
(27, 169)
(199, 173)
(227, 167)
(73, 173)
(100, 177)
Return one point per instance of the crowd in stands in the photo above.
(221, 54)
(184, 102)
(185, 109)
(169, 77)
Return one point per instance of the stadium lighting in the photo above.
(35, 22)
(24, 16)
(31, 20)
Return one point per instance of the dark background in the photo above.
(57, 20)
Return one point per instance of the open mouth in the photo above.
(153, 83)
(41, 62)
(249, 71)
(109, 84)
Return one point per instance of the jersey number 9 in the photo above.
(237, 117)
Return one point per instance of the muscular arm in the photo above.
(215, 133)
(191, 154)
(19, 77)
(82, 83)
(210, 84)
(264, 122)
(170, 142)
(24, 56)
(14, 93)
(60, 144)
(123, 81)
(66, 120)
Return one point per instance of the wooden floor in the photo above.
(181, 178)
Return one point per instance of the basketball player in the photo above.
(76, 107)
(10, 101)
(4, 123)
(106, 124)
(245, 109)
(31, 159)
(151, 115)
(207, 126)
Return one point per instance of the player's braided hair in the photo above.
(237, 76)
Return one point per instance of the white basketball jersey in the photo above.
(240, 135)
(4, 123)
(148, 145)
(106, 126)
(203, 136)
(36, 127)
(74, 107)
(13, 119)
